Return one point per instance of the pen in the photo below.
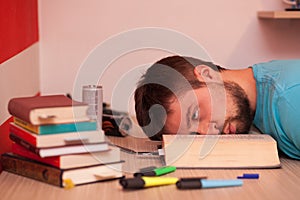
(249, 176)
(156, 172)
(144, 181)
(203, 183)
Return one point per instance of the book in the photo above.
(58, 128)
(42, 141)
(50, 109)
(135, 144)
(73, 160)
(59, 177)
(221, 151)
(61, 150)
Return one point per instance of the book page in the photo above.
(217, 151)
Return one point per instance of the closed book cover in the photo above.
(50, 140)
(72, 160)
(49, 109)
(58, 128)
(61, 150)
(221, 151)
(58, 177)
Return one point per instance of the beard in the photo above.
(243, 115)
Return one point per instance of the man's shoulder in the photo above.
(279, 71)
(279, 64)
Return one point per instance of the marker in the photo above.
(249, 176)
(144, 181)
(147, 169)
(202, 183)
(156, 172)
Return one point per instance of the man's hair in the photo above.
(157, 87)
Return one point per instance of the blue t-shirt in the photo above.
(278, 103)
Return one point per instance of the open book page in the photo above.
(221, 151)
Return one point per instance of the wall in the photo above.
(19, 58)
(70, 29)
(228, 30)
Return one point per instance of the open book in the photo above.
(221, 151)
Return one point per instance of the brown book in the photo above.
(51, 109)
(58, 177)
(221, 151)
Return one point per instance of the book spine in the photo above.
(24, 144)
(32, 169)
(22, 151)
(56, 128)
(21, 133)
(17, 109)
(26, 125)
(64, 128)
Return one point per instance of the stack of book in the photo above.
(54, 141)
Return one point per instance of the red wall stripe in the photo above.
(5, 142)
(18, 26)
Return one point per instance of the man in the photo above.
(186, 95)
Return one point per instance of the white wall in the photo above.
(19, 76)
(229, 30)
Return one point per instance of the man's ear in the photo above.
(206, 74)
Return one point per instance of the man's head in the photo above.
(186, 95)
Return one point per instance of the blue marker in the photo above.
(249, 176)
(203, 183)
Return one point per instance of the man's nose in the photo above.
(208, 128)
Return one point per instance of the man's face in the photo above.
(214, 109)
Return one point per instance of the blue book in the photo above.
(57, 128)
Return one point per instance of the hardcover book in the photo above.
(221, 151)
(61, 150)
(49, 140)
(59, 128)
(51, 109)
(73, 160)
(58, 177)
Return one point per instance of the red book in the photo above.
(51, 109)
(73, 160)
(61, 150)
(42, 141)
